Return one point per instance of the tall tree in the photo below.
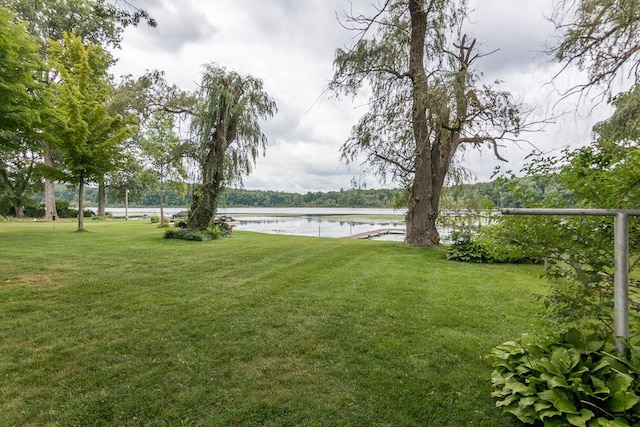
(227, 133)
(22, 103)
(163, 152)
(95, 21)
(20, 91)
(426, 101)
(147, 96)
(88, 137)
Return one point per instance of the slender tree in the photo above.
(163, 151)
(227, 135)
(87, 136)
(149, 97)
(426, 101)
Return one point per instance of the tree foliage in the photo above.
(227, 135)
(88, 137)
(580, 250)
(162, 153)
(99, 22)
(601, 37)
(427, 101)
(20, 92)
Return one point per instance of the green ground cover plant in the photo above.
(119, 326)
(567, 379)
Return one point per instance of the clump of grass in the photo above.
(119, 326)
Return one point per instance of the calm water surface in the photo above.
(313, 222)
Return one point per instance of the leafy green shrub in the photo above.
(155, 219)
(212, 233)
(570, 379)
(467, 250)
(489, 246)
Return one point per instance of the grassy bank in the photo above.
(118, 326)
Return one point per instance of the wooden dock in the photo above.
(376, 233)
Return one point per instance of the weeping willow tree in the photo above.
(426, 104)
(227, 135)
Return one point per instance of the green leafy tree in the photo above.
(87, 136)
(146, 96)
(602, 38)
(163, 151)
(227, 133)
(426, 103)
(95, 21)
(22, 103)
(20, 91)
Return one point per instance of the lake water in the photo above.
(312, 222)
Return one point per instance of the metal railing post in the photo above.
(621, 281)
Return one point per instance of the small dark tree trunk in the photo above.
(161, 198)
(50, 211)
(81, 204)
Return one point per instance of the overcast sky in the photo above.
(290, 45)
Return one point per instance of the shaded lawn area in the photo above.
(119, 326)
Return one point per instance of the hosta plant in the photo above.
(570, 379)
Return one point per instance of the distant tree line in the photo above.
(177, 196)
(500, 193)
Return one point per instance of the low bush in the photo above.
(569, 379)
(211, 233)
(467, 250)
(489, 246)
(155, 219)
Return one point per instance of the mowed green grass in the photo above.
(118, 326)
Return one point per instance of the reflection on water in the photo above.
(314, 226)
(310, 222)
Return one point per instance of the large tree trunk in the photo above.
(423, 207)
(422, 211)
(102, 198)
(436, 140)
(18, 210)
(205, 200)
(50, 211)
(205, 203)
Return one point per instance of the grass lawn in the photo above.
(118, 326)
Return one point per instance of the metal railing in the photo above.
(621, 260)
